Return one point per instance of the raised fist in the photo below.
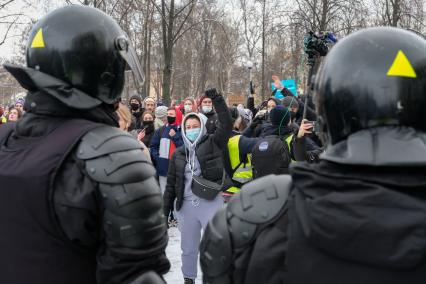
(211, 93)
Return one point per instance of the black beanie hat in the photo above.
(280, 115)
(136, 97)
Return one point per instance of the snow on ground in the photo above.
(173, 253)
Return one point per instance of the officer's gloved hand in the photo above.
(149, 277)
(212, 93)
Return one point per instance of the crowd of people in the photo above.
(12, 112)
(206, 138)
(292, 190)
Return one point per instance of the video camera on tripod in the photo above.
(317, 45)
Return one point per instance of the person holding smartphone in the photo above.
(147, 128)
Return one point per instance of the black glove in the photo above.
(212, 93)
(256, 121)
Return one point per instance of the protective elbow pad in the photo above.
(130, 193)
(258, 203)
(216, 251)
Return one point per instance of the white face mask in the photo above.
(206, 109)
(187, 108)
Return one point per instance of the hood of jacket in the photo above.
(190, 147)
(365, 214)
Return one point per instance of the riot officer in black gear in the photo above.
(79, 202)
(359, 215)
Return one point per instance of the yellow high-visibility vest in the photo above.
(243, 171)
(288, 141)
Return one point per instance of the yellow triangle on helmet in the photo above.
(38, 41)
(401, 67)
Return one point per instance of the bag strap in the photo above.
(223, 177)
(201, 178)
(236, 168)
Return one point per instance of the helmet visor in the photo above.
(128, 53)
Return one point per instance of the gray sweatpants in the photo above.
(163, 182)
(192, 217)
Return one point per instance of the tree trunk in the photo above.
(323, 22)
(263, 49)
(395, 12)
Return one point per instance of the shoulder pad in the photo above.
(216, 250)
(105, 140)
(114, 157)
(261, 200)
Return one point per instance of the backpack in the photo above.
(270, 155)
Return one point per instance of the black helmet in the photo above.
(374, 77)
(86, 50)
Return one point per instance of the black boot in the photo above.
(188, 281)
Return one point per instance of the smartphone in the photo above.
(314, 125)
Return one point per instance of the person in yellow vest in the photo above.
(238, 162)
(3, 119)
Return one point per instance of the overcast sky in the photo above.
(30, 10)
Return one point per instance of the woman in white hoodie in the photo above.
(200, 157)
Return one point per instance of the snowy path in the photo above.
(173, 253)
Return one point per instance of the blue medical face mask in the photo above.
(192, 134)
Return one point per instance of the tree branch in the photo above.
(5, 4)
(178, 12)
(177, 35)
(160, 11)
(7, 31)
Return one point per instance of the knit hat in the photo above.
(290, 102)
(20, 101)
(148, 99)
(136, 97)
(161, 112)
(280, 115)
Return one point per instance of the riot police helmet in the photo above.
(87, 51)
(374, 77)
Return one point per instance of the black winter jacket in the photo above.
(210, 152)
(211, 123)
(358, 216)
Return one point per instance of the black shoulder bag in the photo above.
(206, 189)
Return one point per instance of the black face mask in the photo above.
(171, 119)
(293, 115)
(134, 106)
(148, 122)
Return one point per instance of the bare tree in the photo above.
(173, 20)
(7, 19)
